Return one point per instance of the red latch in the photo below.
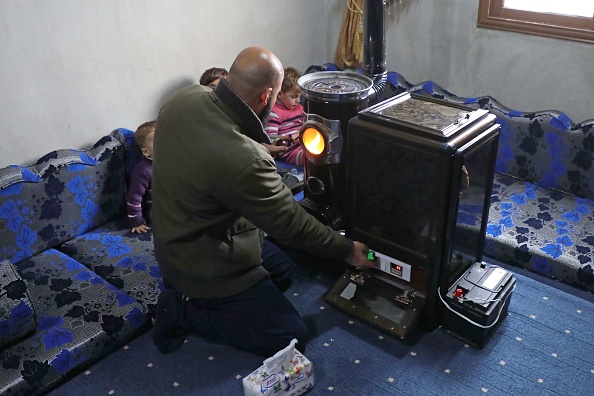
(458, 293)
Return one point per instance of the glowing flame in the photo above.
(313, 141)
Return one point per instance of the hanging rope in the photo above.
(350, 41)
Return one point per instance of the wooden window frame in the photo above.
(493, 15)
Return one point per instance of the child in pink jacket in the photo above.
(286, 117)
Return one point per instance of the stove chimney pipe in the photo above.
(374, 46)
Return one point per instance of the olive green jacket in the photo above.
(214, 188)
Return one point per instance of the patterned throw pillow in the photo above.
(17, 315)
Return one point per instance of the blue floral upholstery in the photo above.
(64, 194)
(80, 317)
(124, 259)
(17, 314)
(541, 229)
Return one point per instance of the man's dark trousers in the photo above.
(260, 320)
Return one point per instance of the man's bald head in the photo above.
(255, 68)
(254, 71)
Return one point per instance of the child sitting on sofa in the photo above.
(139, 200)
(286, 118)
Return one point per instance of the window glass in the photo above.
(566, 7)
(566, 19)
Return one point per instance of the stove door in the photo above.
(378, 299)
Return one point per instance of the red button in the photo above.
(458, 293)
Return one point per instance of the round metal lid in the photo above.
(335, 86)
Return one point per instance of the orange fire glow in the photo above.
(313, 141)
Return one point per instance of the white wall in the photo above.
(438, 40)
(71, 71)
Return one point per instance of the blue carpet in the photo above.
(544, 347)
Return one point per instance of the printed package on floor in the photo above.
(287, 373)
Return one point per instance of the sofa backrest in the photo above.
(543, 147)
(64, 194)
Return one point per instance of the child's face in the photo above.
(147, 150)
(290, 98)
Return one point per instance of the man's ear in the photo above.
(144, 152)
(265, 96)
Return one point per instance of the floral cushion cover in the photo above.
(80, 318)
(17, 315)
(122, 258)
(543, 230)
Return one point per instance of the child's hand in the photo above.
(284, 141)
(275, 150)
(141, 229)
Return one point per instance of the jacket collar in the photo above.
(250, 122)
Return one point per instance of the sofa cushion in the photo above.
(17, 316)
(64, 194)
(543, 230)
(124, 259)
(80, 318)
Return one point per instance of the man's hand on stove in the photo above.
(358, 258)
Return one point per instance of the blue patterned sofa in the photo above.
(75, 284)
(541, 214)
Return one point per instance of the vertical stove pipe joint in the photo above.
(374, 46)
